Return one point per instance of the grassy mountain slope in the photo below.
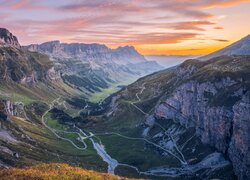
(131, 112)
(166, 125)
(54, 171)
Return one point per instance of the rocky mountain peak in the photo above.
(128, 54)
(51, 43)
(128, 49)
(8, 39)
(47, 47)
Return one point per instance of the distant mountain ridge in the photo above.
(169, 60)
(241, 47)
(121, 55)
(93, 67)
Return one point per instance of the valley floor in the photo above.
(104, 144)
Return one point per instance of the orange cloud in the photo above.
(115, 23)
(191, 25)
(218, 27)
(221, 40)
(223, 3)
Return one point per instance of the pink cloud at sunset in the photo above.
(153, 27)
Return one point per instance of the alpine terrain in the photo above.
(95, 68)
(71, 104)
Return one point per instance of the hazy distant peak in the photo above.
(55, 42)
(121, 55)
(126, 48)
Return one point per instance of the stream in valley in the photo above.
(214, 160)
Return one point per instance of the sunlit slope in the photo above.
(54, 171)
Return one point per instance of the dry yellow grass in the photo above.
(54, 172)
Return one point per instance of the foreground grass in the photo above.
(54, 171)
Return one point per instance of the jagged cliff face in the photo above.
(24, 67)
(8, 39)
(217, 108)
(220, 126)
(212, 97)
(240, 137)
(90, 52)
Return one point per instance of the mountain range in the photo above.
(190, 121)
(169, 60)
(93, 67)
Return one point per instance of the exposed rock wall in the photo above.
(29, 79)
(225, 128)
(53, 75)
(90, 52)
(10, 108)
(8, 39)
(239, 149)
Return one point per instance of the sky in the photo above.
(153, 27)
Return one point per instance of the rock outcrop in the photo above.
(21, 66)
(208, 100)
(90, 52)
(218, 110)
(8, 39)
(10, 108)
(239, 147)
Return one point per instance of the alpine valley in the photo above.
(111, 110)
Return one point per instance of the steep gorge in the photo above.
(211, 96)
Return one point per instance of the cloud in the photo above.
(20, 4)
(112, 22)
(30, 5)
(218, 27)
(221, 40)
(191, 25)
(138, 39)
(185, 7)
(222, 3)
(136, 6)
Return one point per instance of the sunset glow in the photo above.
(174, 27)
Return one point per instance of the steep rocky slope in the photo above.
(24, 73)
(212, 97)
(8, 39)
(28, 85)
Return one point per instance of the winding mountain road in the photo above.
(182, 159)
(53, 130)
